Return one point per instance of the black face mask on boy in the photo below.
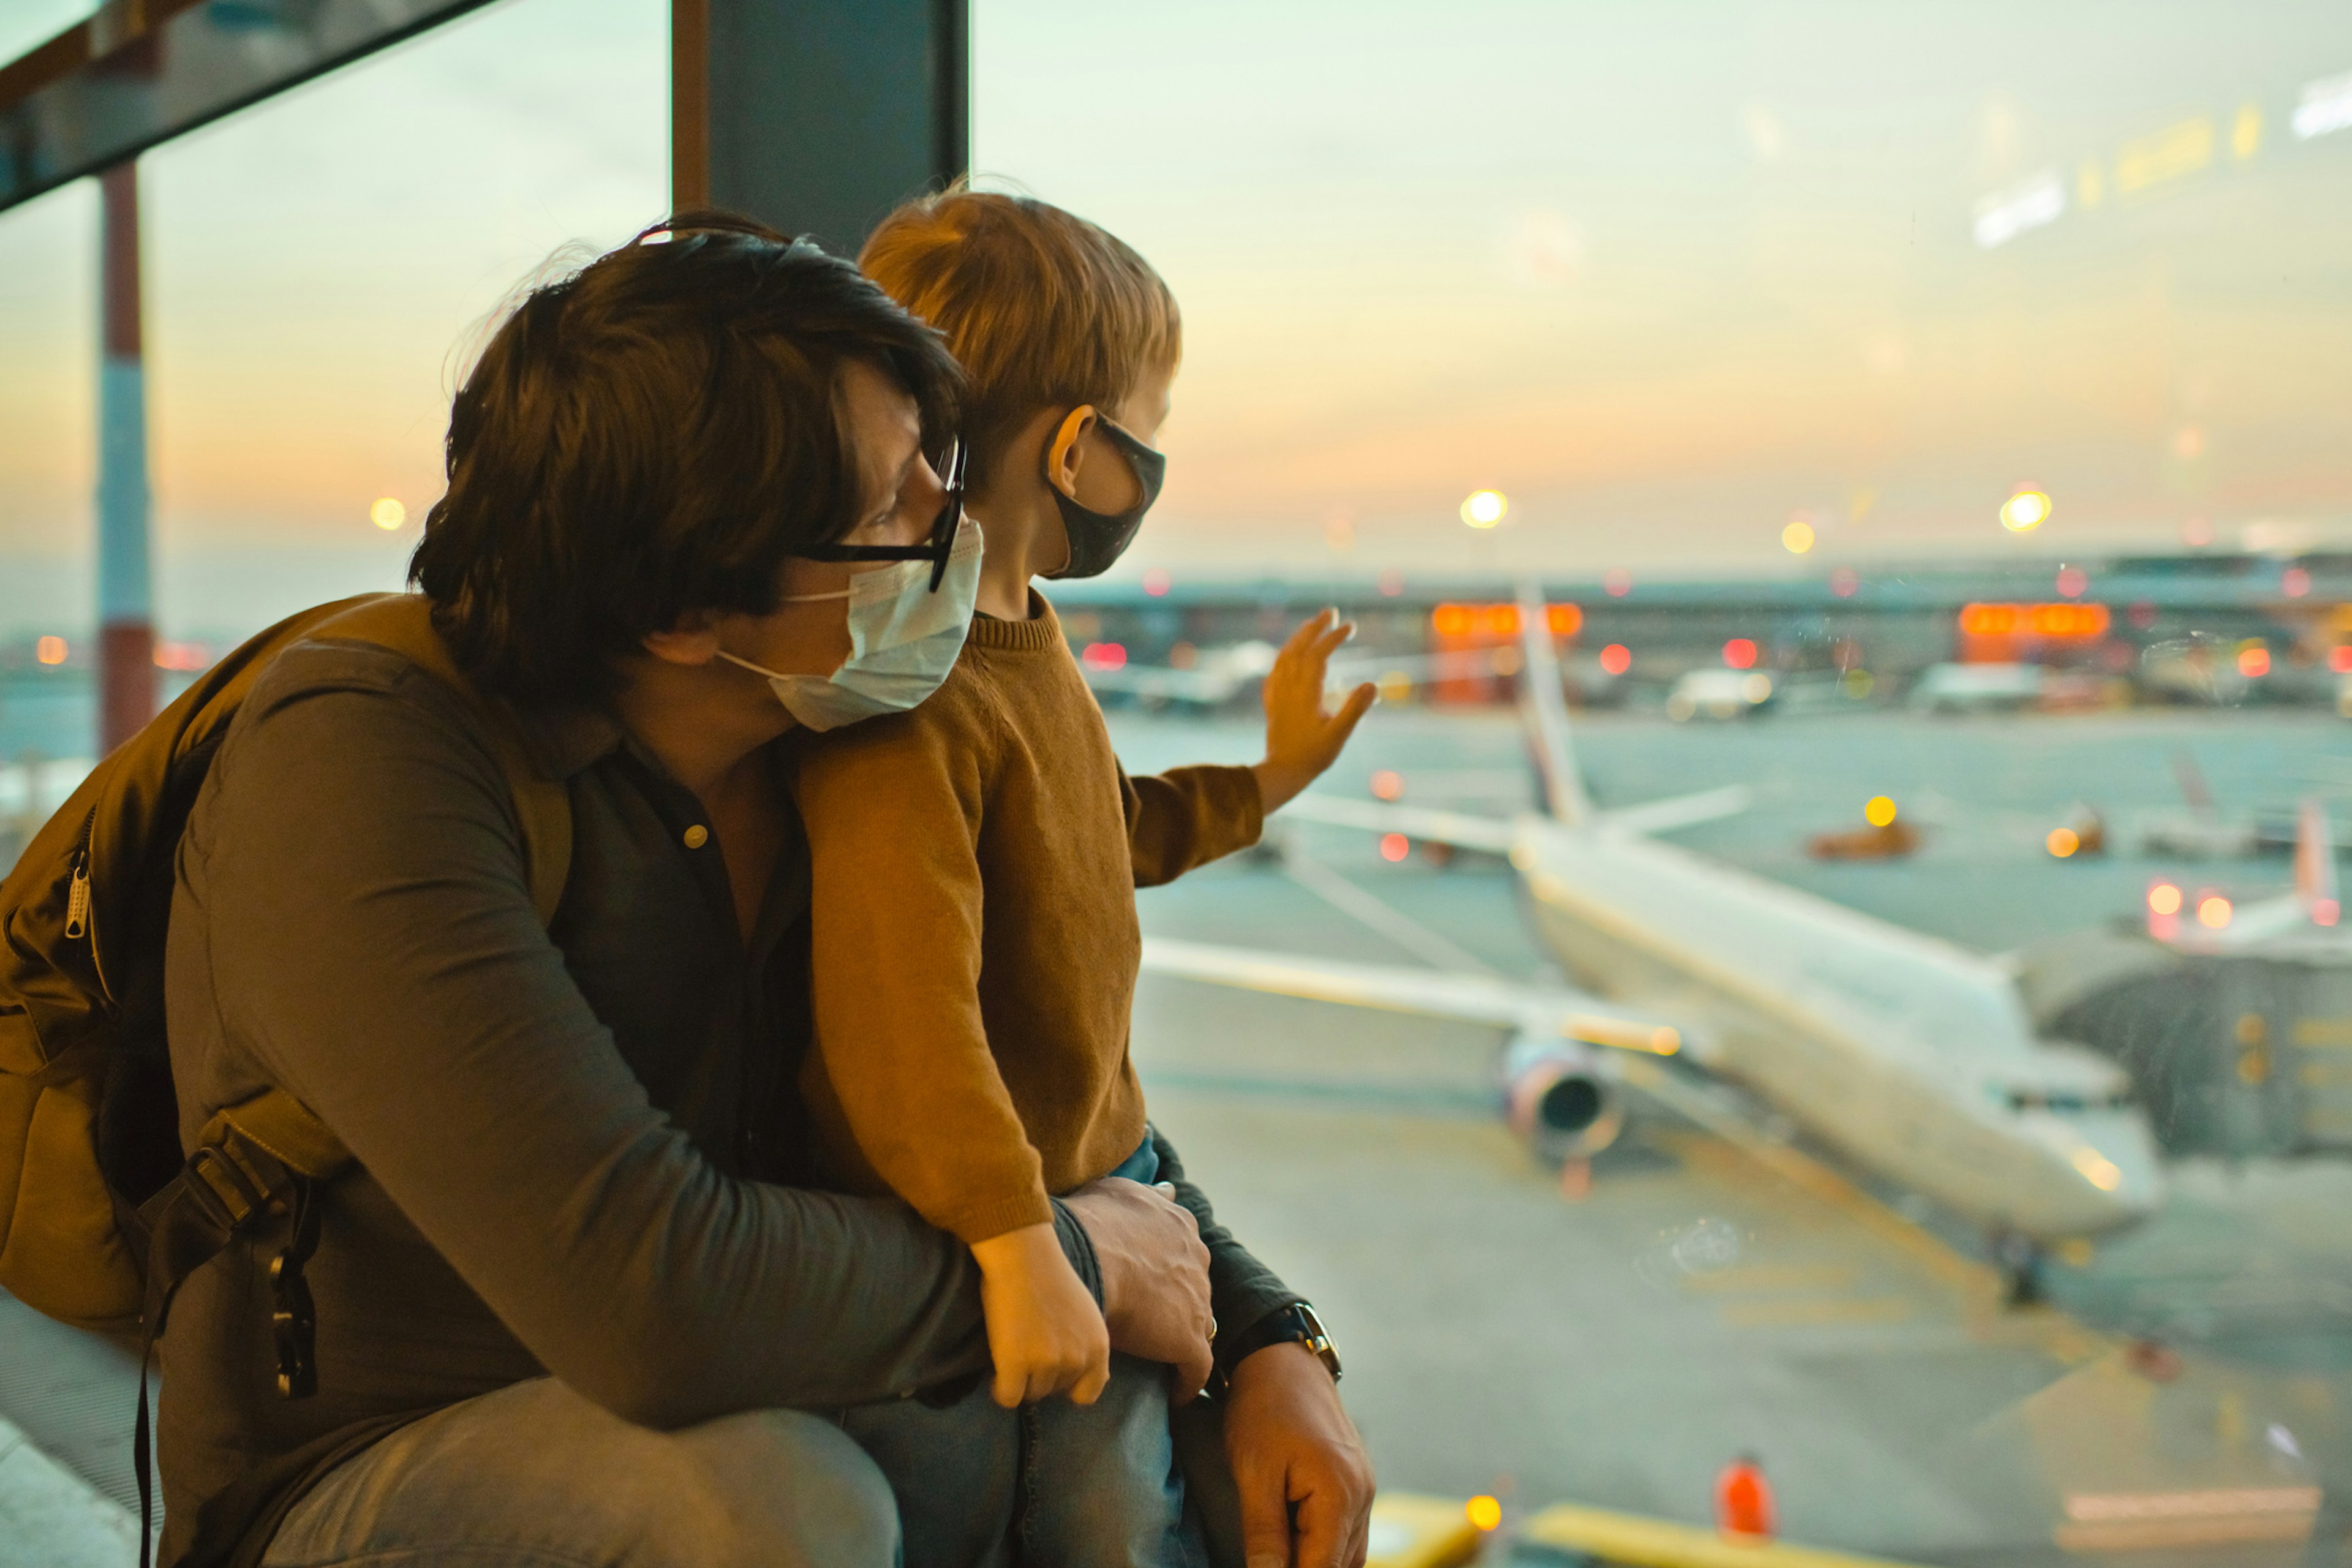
(1098, 538)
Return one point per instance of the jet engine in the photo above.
(1561, 1101)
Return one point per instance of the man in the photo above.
(572, 1306)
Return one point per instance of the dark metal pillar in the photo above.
(126, 631)
(818, 116)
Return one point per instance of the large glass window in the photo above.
(1927, 422)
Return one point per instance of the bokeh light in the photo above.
(2025, 511)
(1484, 509)
(1104, 656)
(1387, 785)
(1617, 659)
(2164, 899)
(50, 650)
(388, 514)
(2213, 912)
(1797, 536)
(1394, 846)
(1485, 1513)
(2063, 842)
(2254, 662)
(1739, 653)
(1156, 581)
(1878, 810)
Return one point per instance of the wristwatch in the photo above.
(1296, 1321)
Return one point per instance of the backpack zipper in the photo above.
(77, 901)
(77, 897)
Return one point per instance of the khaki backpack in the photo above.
(101, 1214)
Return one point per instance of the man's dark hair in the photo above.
(653, 435)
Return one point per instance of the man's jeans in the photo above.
(1050, 1485)
(533, 1476)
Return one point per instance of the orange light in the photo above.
(2164, 899)
(2063, 842)
(1617, 659)
(1566, 620)
(2213, 912)
(50, 650)
(2062, 621)
(2254, 662)
(181, 655)
(1452, 620)
(1485, 1513)
(1387, 785)
(1739, 653)
(1499, 620)
(1104, 656)
(2340, 658)
(1394, 846)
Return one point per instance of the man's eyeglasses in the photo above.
(935, 549)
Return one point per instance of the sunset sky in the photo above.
(1669, 275)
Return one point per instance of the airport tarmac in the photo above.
(1707, 1297)
(1616, 1350)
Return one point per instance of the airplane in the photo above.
(2183, 918)
(1910, 1056)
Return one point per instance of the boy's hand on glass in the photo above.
(1045, 1331)
(1301, 738)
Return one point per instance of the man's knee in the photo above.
(809, 1493)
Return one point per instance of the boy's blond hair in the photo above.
(1042, 308)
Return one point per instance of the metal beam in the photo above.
(818, 116)
(142, 71)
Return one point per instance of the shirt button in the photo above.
(697, 836)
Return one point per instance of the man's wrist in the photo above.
(1295, 1323)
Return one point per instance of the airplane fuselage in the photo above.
(1911, 1056)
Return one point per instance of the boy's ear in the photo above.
(1065, 454)
(693, 641)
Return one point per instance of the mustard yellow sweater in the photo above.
(975, 864)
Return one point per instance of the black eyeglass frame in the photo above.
(935, 549)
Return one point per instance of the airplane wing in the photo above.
(1434, 993)
(1461, 829)
(1680, 811)
(1472, 832)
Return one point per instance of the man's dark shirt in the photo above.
(576, 1143)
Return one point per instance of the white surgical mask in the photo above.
(903, 639)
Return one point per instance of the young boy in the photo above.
(974, 865)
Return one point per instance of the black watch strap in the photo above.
(1296, 1322)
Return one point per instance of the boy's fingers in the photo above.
(1308, 630)
(1007, 1387)
(1342, 724)
(1090, 1385)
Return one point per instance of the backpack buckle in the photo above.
(294, 1317)
(225, 1187)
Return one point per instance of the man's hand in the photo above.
(1155, 1277)
(1292, 1445)
(1301, 739)
(1043, 1330)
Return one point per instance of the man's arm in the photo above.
(374, 949)
(1241, 1290)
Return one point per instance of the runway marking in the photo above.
(1806, 1313)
